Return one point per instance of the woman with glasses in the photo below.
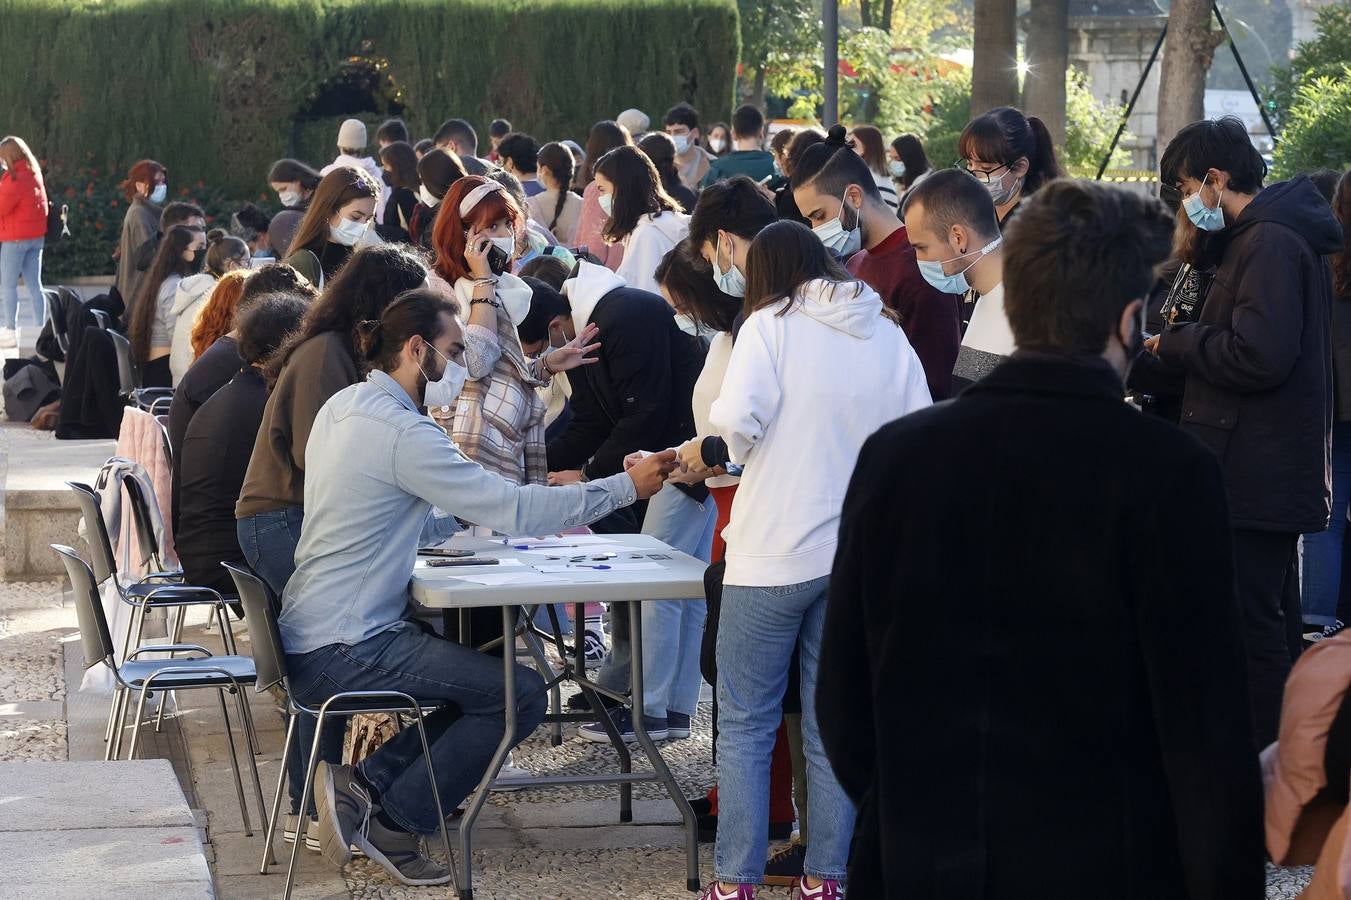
(1010, 154)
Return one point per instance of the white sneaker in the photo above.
(511, 772)
(9, 338)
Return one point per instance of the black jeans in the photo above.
(1266, 577)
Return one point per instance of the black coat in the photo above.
(1032, 673)
(638, 396)
(1258, 361)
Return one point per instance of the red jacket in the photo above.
(23, 204)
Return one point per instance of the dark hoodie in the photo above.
(1258, 362)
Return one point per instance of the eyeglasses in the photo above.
(981, 176)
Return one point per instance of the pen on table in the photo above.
(540, 546)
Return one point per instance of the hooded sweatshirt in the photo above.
(651, 239)
(1258, 361)
(638, 397)
(788, 377)
(189, 301)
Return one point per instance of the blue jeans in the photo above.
(463, 733)
(757, 630)
(21, 258)
(672, 629)
(1322, 582)
(268, 540)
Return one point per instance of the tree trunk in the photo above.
(888, 12)
(758, 89)
(865, 13)
(1048, 60)
(1186, 59)
(994, 73)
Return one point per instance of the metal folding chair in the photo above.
(206, 672)
(270, 658)
(154, 590)
(129, 376)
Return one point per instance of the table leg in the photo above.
(465, 887)
(653, 755)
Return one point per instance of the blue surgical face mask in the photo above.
(896, 168)
(839, 240)
(730, 282)
(1202, 216)
(607, 204)
(159, 193)
(956, 283)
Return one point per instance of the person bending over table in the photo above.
(375, 468)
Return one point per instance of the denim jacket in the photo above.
(374, 469)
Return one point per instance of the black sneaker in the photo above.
(1314, 634)
(623, 719)
(785, 866)
(577, 702)
(677, 726)
(401, 855)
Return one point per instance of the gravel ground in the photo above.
(33, 625)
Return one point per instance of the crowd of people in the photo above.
(965, 607)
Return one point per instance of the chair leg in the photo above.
(120, 729)
(112, 719)
(140, 714)
(270, 858)
(436, 795)
(234, 762)
(227, 636)
(305, 793)
(253, 762)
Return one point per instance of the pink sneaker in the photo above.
(827, 890)
(716, 891)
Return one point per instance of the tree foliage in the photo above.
(1316, 133)
(1322, 57)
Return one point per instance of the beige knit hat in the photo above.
(635, 120)
(352, 135)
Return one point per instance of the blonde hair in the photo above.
(13, 149)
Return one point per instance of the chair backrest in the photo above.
(101, 319)
(95, 639)
(163, 421)
(260, 615)
(142, 522)
(57, 313)
(126, 369)
(96, 532)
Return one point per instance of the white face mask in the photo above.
(717, 144)
(159, 193)
(289, 198)
(837, 239)
(347, 232)
(607, 204)
(445, 390)
(506, 244)
(682, 143)
(427, 198)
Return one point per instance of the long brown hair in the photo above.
(870, 145)
(338, 188)
(637, 190)
(372, 278)
(558, 160)
(168, 261)
(218, 315)
(1341, 262)
(13, 149)
(782, 258)
(604, 137)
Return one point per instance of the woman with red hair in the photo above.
(499, 419)
(145, 188)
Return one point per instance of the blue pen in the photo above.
(577, 566)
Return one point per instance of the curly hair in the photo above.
(218, 315)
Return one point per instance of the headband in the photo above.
(472, 198)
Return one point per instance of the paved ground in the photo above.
(542, 844)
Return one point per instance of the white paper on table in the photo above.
(578, 540)
(500, 578)
(568, 552)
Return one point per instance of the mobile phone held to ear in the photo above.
(498, 261)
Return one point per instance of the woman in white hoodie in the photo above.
(796, 433)
(223, 254)
(643, 217)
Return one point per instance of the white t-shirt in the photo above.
(706, 391)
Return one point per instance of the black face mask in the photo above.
(197, 257)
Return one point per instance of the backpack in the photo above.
(28, 390)
(58, 225)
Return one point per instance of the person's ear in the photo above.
(1217, 178)
(1132, 323)
(959, 238)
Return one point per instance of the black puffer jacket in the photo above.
(1258, 363)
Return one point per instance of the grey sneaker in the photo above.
(401, 855)
(344, 809)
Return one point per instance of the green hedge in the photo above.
(214, 88)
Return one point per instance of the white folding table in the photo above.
(574, 569)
